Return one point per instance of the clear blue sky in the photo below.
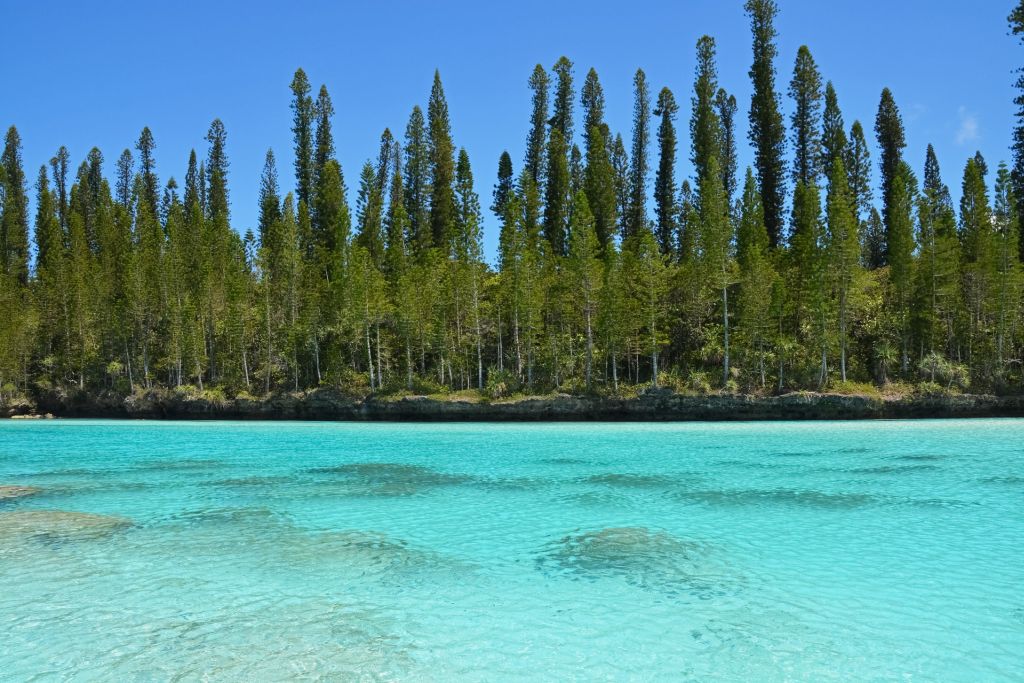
(93, 74)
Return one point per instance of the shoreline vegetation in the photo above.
(652, 405)
(827, 273)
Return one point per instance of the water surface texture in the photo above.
(229, 551)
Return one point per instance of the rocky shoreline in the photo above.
(327, 404)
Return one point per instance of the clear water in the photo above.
(303, 551)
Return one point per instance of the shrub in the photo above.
(500, 383)
(851, 388)
(930, 389)
(699, 382)
(936, 368)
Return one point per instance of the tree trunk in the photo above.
(725, 328)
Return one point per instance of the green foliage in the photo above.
(936, 368)
(767, 132)
(136, 287)
(501, 384)
(665, 180)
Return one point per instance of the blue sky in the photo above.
(93, 74)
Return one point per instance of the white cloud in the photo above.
(968, 131)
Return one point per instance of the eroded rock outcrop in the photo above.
(655, 405)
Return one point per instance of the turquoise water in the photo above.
(750, 552)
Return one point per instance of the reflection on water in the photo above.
(248, 551)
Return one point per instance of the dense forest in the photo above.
(807, 271)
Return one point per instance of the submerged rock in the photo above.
(390, 479)
(220, 516)
(180, 464)
(763, 497)
(634, 481)
(254, 480)
(15, 492)
(363, 551)
(892, 469)
(59, 525)
(641, 556)
(564, 461)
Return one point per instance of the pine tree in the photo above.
(325, 288)
(842, 240)
(335, 223)
(619, 160)
(613, 317)
(469, 254)
(269, 202)
(59, 167)
(279, 265)
(147, 169)
(874, 240)
(51, 286)
(980, 255)
(396, 220)
(302, 130)
(725, 106)
(577, 170)
(857, 160)
(442, 166)
(49, 236)
(556, 194)
(592, 98)
(124, 176)
(80, 278)
(564, 96)
(369, 216)
(366, 289)
(397, 265)
(646, 277)
(1008, 285)
(586, 273)
(715, 240)
(705, 126)
(504, 188)
(891, 141)
(754, 297)
(937, 272)
(417, 182)
(323, 140)
(810, 273)
(833, 135)
(805, 89)
(979, 160)
(665, 179)
(1016, 21)
(900, 247)
(601, 187)
(636, 215)
(148, 297)
(767, 133)
(14, 216)
(534, 163)
(217, 204)
(689, 222)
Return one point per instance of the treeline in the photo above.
(790, 275)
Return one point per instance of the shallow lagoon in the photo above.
(267, 551)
